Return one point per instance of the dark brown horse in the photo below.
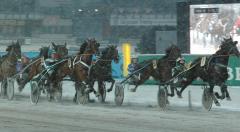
(33, 68)
(213, 70)
(36, 65)
(77, 67)
(160, 69)
(101, 71)
(9, 62)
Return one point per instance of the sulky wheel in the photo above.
(10, 88)
(162, 97)
(102, 92)
(3, 88)
(207, 100)
(119, 94)
(35, 92)
(82, 97)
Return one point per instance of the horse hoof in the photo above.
(180, 96)
(229, 99)
(20, 90)
(97, 94)
(217, 104)
(132, 90)
(87, 91)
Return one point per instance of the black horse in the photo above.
(213, 70)
(102, 70)
(160, 69)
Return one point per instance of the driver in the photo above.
(132, 67)
(180, 67)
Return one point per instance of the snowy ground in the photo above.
(139, 113)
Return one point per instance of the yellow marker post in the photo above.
(126, 47)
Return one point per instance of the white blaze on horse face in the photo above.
(237, 73)
(230, 73)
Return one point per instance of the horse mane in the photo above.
(224, 45)
(169, 49)
(82, 48)
(105, 50)
(13, 45)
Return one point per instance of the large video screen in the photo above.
(210, 23)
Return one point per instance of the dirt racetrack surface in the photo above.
(139, 113)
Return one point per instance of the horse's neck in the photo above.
(221, 58)
(169, 60)
(11, 57)
(105, 60)
(86, 57)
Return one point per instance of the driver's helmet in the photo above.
(180, 60)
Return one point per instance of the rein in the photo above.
(26, 67)
(135, 72)
(45, 71)
(80, 61)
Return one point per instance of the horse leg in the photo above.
(50, 91)
(134, 89)
(113, 82)
(172, 88)
(100, 83)
(142, 79)
(183, 87)
(222, 87)
(224, 92)
(76, 89)
(227, 95)
(90, 87)
(213, 96)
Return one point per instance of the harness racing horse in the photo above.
(101, 71)
(33, 68)
(8, 65)
(37, 71)
(160, 70)
(212, 70)
(77, 68)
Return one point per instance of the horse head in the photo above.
(14, 49)
(111, 53)
(93, 46)
(173, 52)
(229, 47)
(60, 49)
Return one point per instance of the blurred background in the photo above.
(148, 25)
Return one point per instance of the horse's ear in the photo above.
(65, 44)
(8, 48)
(53, 44)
